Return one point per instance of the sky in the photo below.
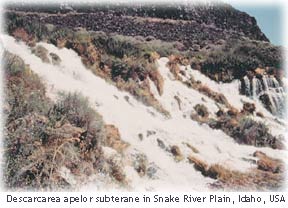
(269, 19)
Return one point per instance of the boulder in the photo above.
(176, 152)
(220, 113)
(161, 144)
(249, 108)
(260, 114)
(150, 132)
(140, 163)
(201, 110)
(152, 170)
(259, 71)
(233, 112)
(55, 59)
(140, 135)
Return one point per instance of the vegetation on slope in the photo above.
(50, 145)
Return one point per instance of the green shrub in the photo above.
(75, 109)
(36, 150)
(256, 133)
(12, 64)
(236, 57)
(24, 91)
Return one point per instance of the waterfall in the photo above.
(268, 86)
(247, 86)
(214, 146)
(256, 87)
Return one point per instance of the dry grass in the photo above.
(113, 139)
(268, 175)
(50, 146)
(157, 79)
(206, 90)
(178, 100)
(116, 171)
(174, 65)
(157, 20)
(217, 97)
(21, 34)
(269, 164)
(194, 149)
(199, 164)
(199, 119)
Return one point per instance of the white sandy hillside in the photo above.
(133, 118)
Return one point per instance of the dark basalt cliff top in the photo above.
(222, 42)
(193, 25)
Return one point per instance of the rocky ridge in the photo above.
(129, 60)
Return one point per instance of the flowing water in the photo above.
(268, 86)
(133, 118)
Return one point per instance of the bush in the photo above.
(236, 57)
(75, 109)
(12, 64)
(245, 130)
(43, 139)
(24, 90)
(42, 53)
(38, 147)
(256, 133)
(117, 45)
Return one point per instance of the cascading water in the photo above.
(247, 89)
(133, 118)
(266, 89)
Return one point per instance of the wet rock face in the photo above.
(267, 89)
